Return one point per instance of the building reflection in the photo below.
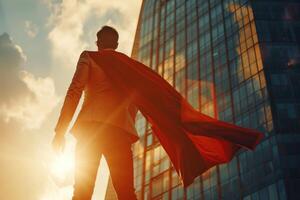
(231, 61)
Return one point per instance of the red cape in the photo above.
(194, 142)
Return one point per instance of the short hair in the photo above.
(108, 37)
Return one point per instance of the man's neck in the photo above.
(106, 49)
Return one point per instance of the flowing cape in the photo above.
(193, 141)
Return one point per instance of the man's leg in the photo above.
(120, 162)
(87, 158)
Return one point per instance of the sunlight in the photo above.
(63, 164)
(61, 169)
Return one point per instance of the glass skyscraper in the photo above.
(235, 60)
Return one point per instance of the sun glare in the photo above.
(61, 168)
(62, 165)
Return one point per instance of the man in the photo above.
(105, 125)
(193, 141)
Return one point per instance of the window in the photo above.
(279, 79)
(286, 110)
(177, 193)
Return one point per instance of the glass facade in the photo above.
(235, 60)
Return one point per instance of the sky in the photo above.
(40, 43)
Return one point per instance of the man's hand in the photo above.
(58, 143)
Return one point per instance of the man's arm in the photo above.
(73, 95)
(132, 109)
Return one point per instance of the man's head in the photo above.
(107, 37)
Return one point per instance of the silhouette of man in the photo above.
(104, 126)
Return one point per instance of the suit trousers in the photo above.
(115, 146)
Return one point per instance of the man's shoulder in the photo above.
(84, 57)
(87, 53)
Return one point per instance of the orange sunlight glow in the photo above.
(62, 165)
(61, 170)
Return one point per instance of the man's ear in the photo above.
(117, 44)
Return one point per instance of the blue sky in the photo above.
(14, 14)
(40, 42)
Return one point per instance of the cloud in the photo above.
(31, 29)
(11, 57)
(74, 22)
(25, 98)
(33, 109)
(25, 102)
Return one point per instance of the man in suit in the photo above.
(104, 126)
